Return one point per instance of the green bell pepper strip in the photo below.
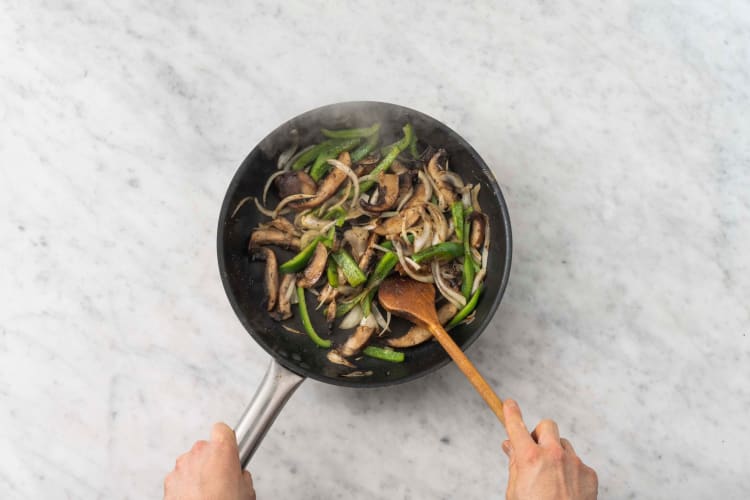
(386, 162)
(334, 213)
(309, 155)
(367, 303)
(353, 274)
(345, 307)
(382, 269)
(320, 167)
(366, 148)
(413, 147)
(457, 211)
(307, 325)
(469, 267)
(446, 250)
(468, 277)
(467, 309)
(351, 133)
(384, 354)
(300, 260)
(332, 273)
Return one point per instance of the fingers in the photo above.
(546, 433)
(222, 433)
(507, 448)
(520, 439)
(567, 446)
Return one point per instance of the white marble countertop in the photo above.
(619, 135)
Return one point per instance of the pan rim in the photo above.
(353, 382)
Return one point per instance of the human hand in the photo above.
(543, 466)
(210, 471)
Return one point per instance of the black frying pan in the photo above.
(295, 357)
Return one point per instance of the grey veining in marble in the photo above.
(619, 132)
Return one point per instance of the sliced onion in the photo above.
(475, 198)
(292, 330)
(369, 321)
(404, 199)
(445, 290)
(466, 196)
(442, 205)
(289, 199)
(239, 205)
(382, 323)
(307, 221)
(283, 161)
(294, 158)
(264, 210)
(441, 225)
(425, 179)
(452, 178)
(424, 278)
(268, 183)
(349, 172)
(485, 257)
(352, 318)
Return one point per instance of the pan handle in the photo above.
(278, 385)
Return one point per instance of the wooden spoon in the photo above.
(415, 301)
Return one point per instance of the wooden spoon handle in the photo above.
(468, 369)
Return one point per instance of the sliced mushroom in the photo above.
(357, 239)
(419, 334)
(283, 225)
(387, 194)
(270, 277)
(284, 310)
(435, 169)
(419, 197)
(477, 229)
(315, 268)
(290, 183)
(405, 183)
(262, 237)
(335, 357)
(366, 259)
(327, 187)
(404, 220)
(356, 341)
(398, 168)
(331, 312)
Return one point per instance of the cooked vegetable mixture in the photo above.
(353, 212)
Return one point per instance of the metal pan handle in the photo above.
(277, 386)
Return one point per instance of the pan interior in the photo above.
(243, 278)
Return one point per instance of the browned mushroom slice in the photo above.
(357, 238)
(335, 357)
(387, 194)
(419, 197)
(419, 334)
(262, 237)
(284, 310)
(270, 277)
(331, 312)
(477, 229)
(397, 168)
(406, 219)
(291, 183)
(434, 168)
(327, 188)
(315, 268)
(356, 341)
(283, 225)
(366, 259)
(405, 184)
